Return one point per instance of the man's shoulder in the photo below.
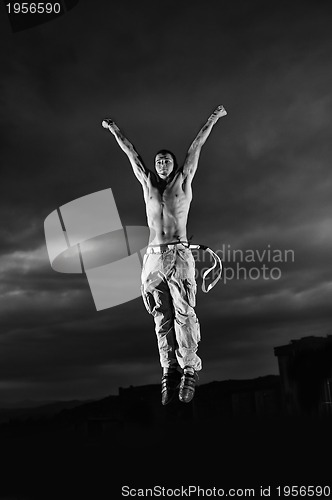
(183, 176)
(152, 177)
(178, 174)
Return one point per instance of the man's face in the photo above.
(164, 165)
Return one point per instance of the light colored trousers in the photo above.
(169, 294)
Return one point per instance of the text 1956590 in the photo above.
(33, 8)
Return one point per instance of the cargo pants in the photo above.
(169, 295)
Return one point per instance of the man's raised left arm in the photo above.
(191, 161)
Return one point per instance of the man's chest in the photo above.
(171, 198)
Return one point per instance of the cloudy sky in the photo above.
(264, 180)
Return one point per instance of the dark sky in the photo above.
(264, 180)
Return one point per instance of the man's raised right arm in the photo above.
(139, 168)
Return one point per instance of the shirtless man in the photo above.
(168, 274)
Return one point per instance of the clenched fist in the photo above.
(218, 113)
(107, 123)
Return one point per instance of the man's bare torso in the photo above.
(167, 208)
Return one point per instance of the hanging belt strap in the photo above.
(216, 259)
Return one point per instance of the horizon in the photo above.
(124, 388)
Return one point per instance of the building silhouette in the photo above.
(305, 367)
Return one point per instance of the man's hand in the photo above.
(218, 113)
(107, 123)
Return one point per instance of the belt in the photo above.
(165, 247)
(170, 246)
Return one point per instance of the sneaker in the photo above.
(169, 384)
(187, 387)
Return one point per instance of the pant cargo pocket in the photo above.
(148, 300)
(191, 289)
